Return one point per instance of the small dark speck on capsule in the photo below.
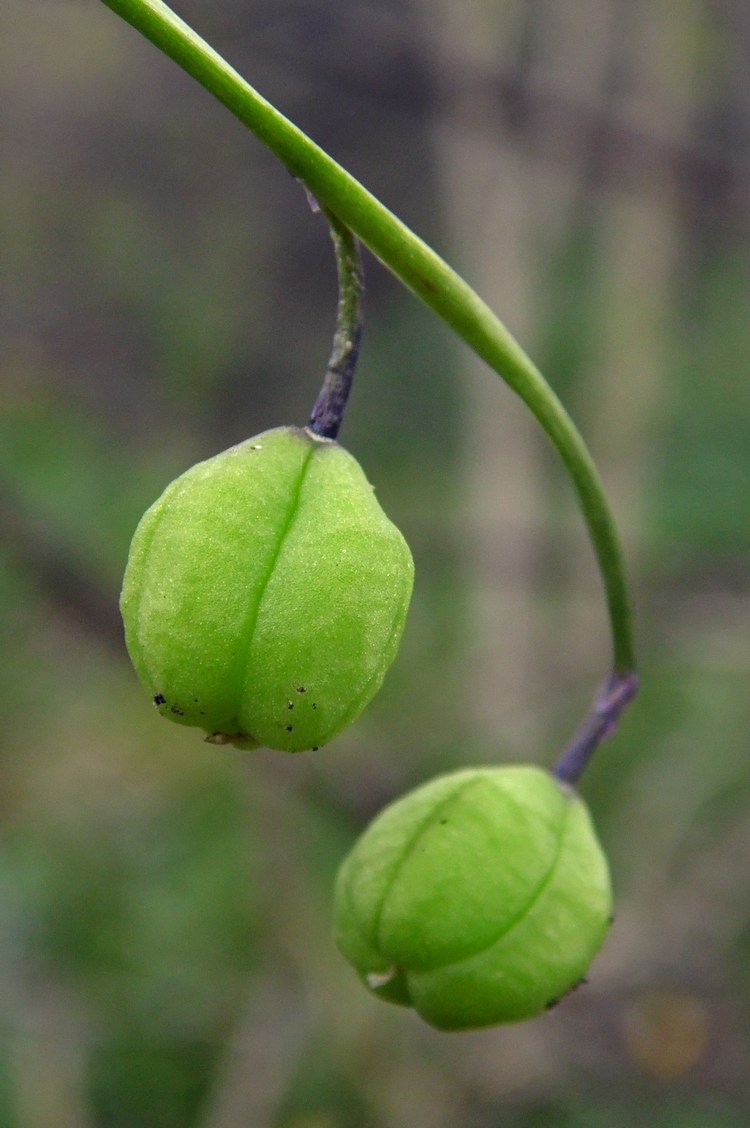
(443, 822)
(300, 689)
(290, 704)
(573, 987)
(314, 704)
(289, 728)
(178, 712)
(315, 747)
(160, 699)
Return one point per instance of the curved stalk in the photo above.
(328, 412)
(616, 692)
(418, 267)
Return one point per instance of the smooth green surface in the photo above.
(479, 898)
(266, 593)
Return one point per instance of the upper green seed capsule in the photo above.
(479, 898)
(266, 593)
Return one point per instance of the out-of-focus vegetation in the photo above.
(165, 957)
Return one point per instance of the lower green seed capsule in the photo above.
(266, 593)
(479, 898)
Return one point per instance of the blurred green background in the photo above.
(165, 291)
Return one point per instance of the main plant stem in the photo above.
(419, 268)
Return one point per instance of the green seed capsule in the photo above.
(266, 593)
(479, 898)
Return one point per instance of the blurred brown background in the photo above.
(165, 291)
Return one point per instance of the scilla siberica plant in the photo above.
(264, 599)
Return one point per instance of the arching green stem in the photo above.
(417, 266)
